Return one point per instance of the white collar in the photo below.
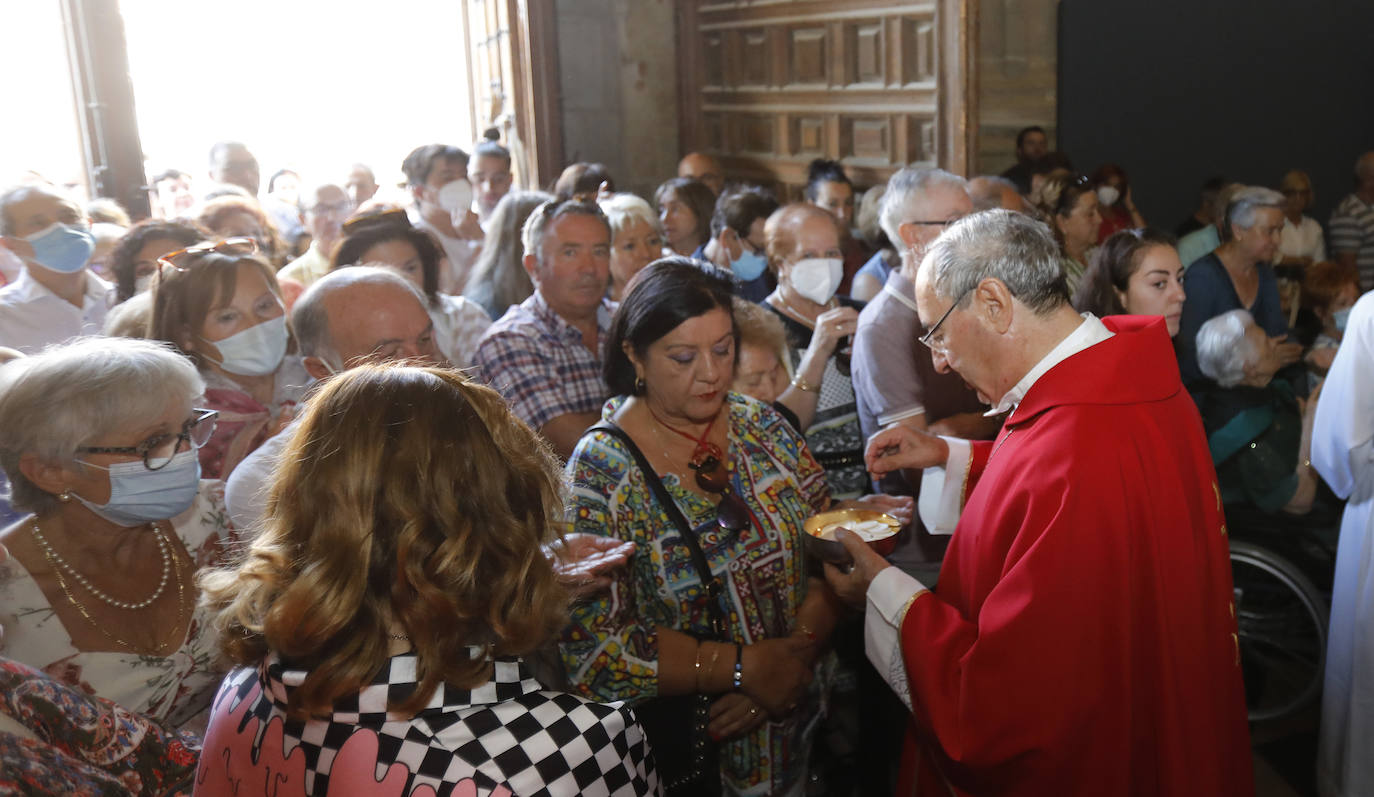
(97, 290)
(1089, 333)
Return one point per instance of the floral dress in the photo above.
(611, 647)
(58, 740)
(174, 689)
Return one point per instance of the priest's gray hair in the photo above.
(1004, 245)
(68, 396)
(904, 189)
(1240, 211)
(1224, 351)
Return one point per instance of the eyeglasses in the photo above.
(937, 346)
(234, 247)
(157, 451)
(932, 223)
(396, 217)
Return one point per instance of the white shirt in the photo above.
(459, 324)
(245, 491)
(31, 316)
(461, 254)
(893, 589)
(1302, 240)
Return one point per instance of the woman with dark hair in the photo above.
(381, 619)
(829, 189)
(1134, 272)
(685, 207)
(498, 279)
(1114, 201)
(387, 239)
(220, 305)
(713, 488)
(133, 261)
(585, 182)
(1069, 205)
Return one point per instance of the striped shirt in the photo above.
(1352, 231)
(537, 361)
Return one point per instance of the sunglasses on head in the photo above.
(183, 259)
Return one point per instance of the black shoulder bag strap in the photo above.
(714, 588)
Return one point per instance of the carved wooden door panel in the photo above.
(510, 89)
(769, 85)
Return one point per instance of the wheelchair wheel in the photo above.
(1282, 620)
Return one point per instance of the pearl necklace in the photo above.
(56, 559)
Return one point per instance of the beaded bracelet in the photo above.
(739, 667)
(802, 384)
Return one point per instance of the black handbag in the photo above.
(687, 758)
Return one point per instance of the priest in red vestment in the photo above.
(1082, 638)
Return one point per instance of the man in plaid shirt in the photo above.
(544, 354)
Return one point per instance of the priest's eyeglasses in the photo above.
(933, 339)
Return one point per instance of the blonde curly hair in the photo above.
(408, 498)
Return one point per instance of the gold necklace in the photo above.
(158, 649)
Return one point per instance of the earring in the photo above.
(64, 496)
(639, 386)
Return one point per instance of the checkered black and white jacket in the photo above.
(505, 738)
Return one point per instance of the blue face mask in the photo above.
(62, 248)
(1341, 317)
(139, 495)
(749, 265)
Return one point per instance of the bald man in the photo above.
(703, 167)
(988, 192)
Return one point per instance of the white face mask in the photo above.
(456, 196)
(817, 278)
(255, 351)
(1107, 195)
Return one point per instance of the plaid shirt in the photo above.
(537, 360)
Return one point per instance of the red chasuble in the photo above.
(1082, 640)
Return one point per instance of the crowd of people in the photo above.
(483, 490)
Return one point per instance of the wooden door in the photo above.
(513, 90)
(769, 85)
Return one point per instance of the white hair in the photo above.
(624, 209)
(54, 402)
(1224, 351)
(903, 190)
(1240, 211)
(1005, 245)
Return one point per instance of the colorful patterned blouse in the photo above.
(173, 689)
(55, 739)
(611, 647)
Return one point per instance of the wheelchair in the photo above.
(1282, 567)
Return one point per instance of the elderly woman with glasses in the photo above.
(221, 306)
(97, 584)
(388, 239)
(715, 623)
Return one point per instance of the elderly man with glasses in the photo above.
(328, 206)
(1082, 638)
